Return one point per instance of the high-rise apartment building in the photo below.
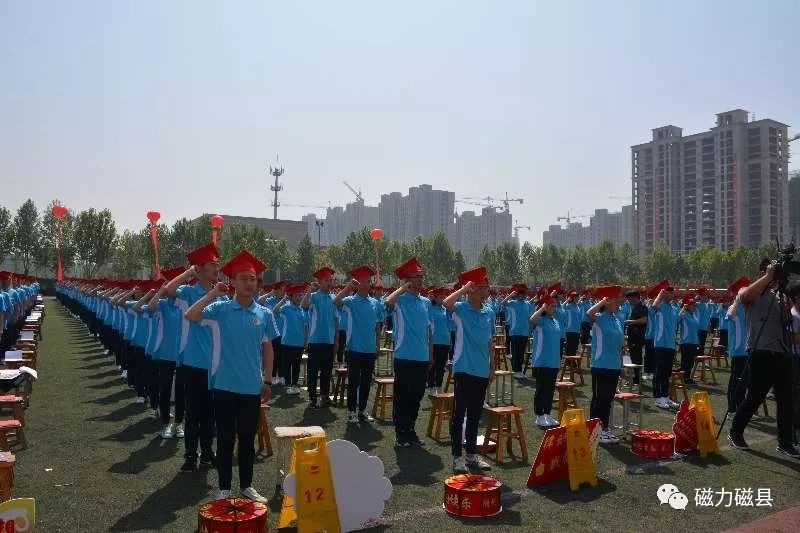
(725, 187)
(794, 206)
(421, 213)
(472, 233)
(603, 226)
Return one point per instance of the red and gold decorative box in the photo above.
(472, 495)
(653, 444)
(232, 515)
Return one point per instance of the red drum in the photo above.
(232, 515)
(653, 444)
(472, 495)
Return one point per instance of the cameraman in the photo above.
(770, 361)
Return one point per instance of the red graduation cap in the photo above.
(653, 290)
(519, 287)
(608, 291)
(554, 287)
(408, 269)
(298, 288)
(546, 299)
(362, 273)
(476, 275)
(5, 276)
(572, 293)
(688, 300)
(204, 254)
(324, 273)
(172, 273)
(244, 261)
(738, 284)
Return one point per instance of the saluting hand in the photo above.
(220, 289)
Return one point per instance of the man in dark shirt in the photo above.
(635, 328)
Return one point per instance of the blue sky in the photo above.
(180, 106)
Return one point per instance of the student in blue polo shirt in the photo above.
(608, 338)
(166, 356)
(363, 338)
(517, 313)
(276, 292)
(194, 354)
(241, 366)
(545, 359)
(573, 316)
(737, 347)
(473, 364)
(413, 354)
(665, 323)
(318, 301)
(441, 335)
(139, 365)
(704, 310)
(689, 327)
(293, 321)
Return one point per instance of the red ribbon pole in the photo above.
(214, 236)
(60, 268)
(154, 239)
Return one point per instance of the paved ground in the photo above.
(95, 463)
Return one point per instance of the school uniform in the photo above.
(441, 322)
(518, 313)
(362, 320)
(545, 361)
(665, 321)
(690, 342)
(292, 321)
(607, 341)
(321, 337)
(738, 382)
(166, 358)
(572, 327)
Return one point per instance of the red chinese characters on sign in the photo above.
(685, 429)
(550, 463)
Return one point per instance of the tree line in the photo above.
(91, 246)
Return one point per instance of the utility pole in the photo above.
(319, 224)
(277, 172)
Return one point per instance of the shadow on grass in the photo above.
(114, 397)
(417, 466)
(146, 427)
(560, 492)
(709, 460)
(102, 375)
(118, 415)
(318, 417)
(118, 382)
(161, 508)
(362, 435)
(793, 464)
(156, 450)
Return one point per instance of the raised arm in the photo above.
(758, 287)
(172, 285)
(195, 312)
(346, 290)
(593, 310)
(534, 318)
(277, 307)
(450, 302)
(304, 303)
(144, 299)
(392, 298)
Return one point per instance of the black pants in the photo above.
(572, 343)
(237, 417)
(586, 329)
(723, 338)
(688, 354)
(410, 378)
(199, 413)
(604, 387)
(153, 388)
(545, 388)
(320, 361)
(649, 357)
(340, 346)
(664, 358)
(436, 372)
(702, 335)
(359, 379)
(738, 383)
(635, 345)
(452, 345)
(469, 392)
(518, 344)
(768, 370)
(166, 374)
(292, 355)
(143, 373)
(277, 359)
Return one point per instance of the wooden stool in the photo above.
(449, 379)
(500, 429)
(717, 353)
(586, 351)
(500, 355)
(384, 365)
(703, 363)
(441, 410)
(630, 375)
(566, 397)
(11, 428)
(675, 384)
(340, 387)
(571, 364)
(625, 399)
(264, 442)
(303, 370)
(503, 392)
(7, 461)
(764, 406)
(382, 397)
(286, 437)
(16, 404)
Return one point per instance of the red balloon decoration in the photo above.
(217, 221)
(59, 211)
(377, 234)
(153, 216)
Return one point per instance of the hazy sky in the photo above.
(181, 106)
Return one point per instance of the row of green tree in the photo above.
(91, 246)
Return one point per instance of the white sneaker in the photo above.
(672, 405)
(519, 375)
(476, 461)
(251, 494)
(223, 495)
(606, 437)
(169, 432)
(154, 413)
(366, 416)
(105, 352)
(280, 381)
(140, 399)
(552, 421)
(179, 431)
(119, 367)
(353, 418)
(124, 374)
(661, 403)
(541, 421)
(460, 465)
(293, 389)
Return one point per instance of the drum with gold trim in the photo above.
(653, 444)
(472, 495)
(232, 515)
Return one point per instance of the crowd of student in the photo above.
(222, 347)
(17, 297)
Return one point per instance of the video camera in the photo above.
(788, 270)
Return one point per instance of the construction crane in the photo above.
(794, 138)
(490, 201)
(516, 231)
(307, 206)
(569, 217)
(359, 197)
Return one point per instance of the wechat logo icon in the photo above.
(670, 494)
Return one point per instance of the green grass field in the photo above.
(96, 463)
